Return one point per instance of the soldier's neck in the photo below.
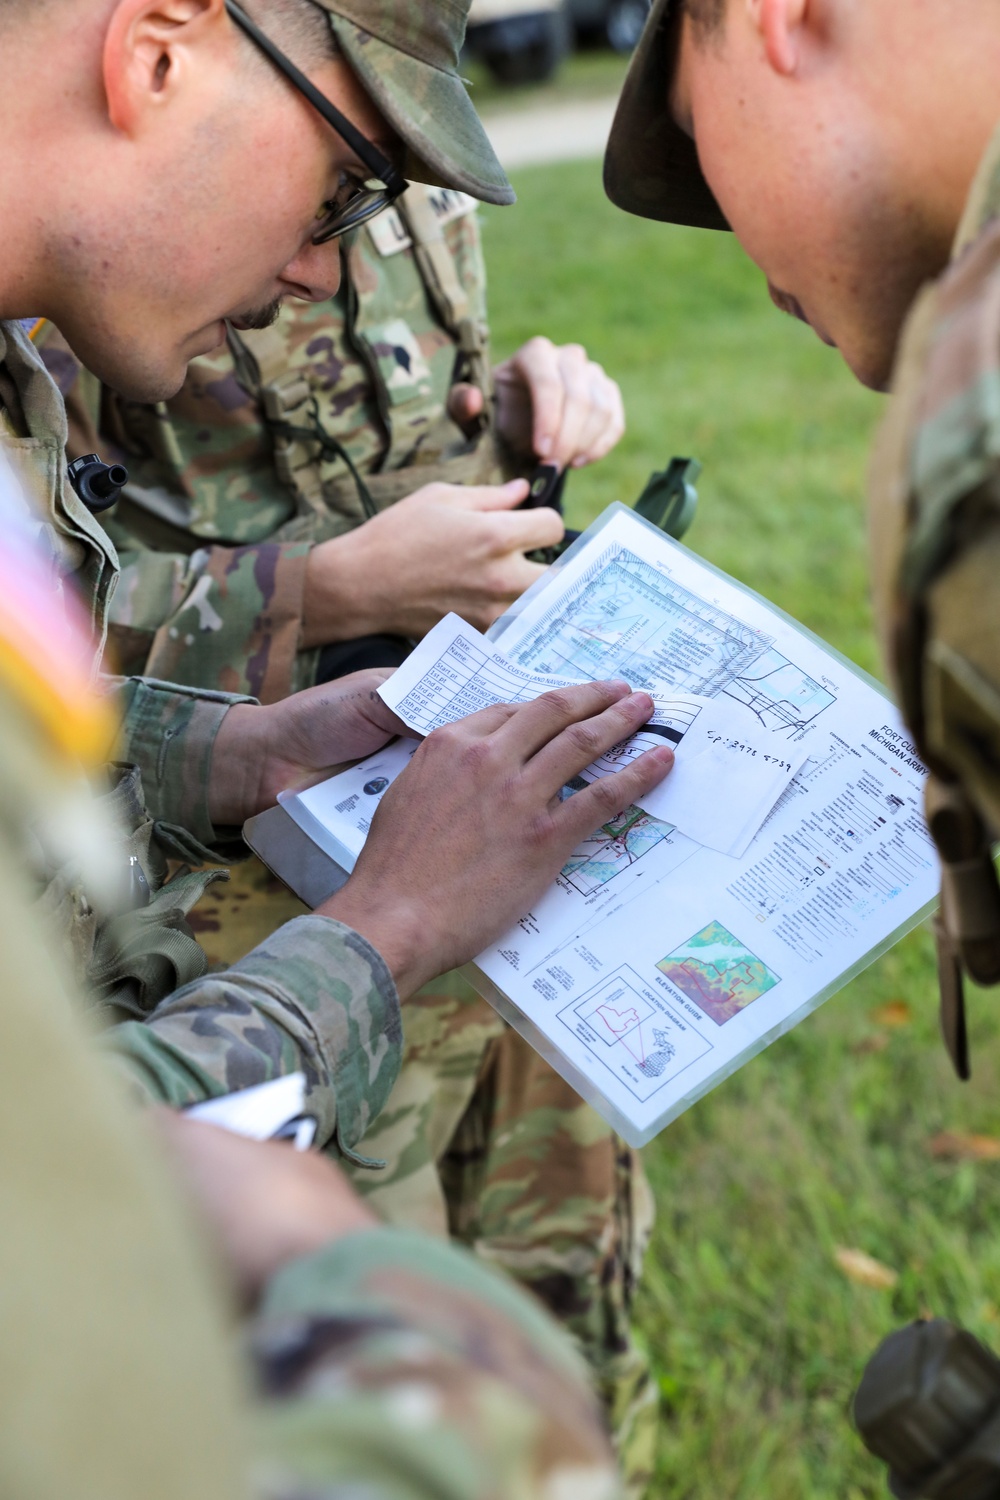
(49, 130)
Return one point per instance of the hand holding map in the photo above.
(729, 772)
(654, 964)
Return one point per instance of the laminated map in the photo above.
(656, 964)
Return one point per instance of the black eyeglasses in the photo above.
(364, 200)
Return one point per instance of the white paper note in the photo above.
(263, 1112)
(337, 814)
(728, 775)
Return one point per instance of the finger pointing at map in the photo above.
(484, 794)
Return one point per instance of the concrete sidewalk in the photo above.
(557, 132)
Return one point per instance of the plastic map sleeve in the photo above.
(656, 965)
(729, 771)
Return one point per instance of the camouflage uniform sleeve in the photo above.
(398, 1367)
(229, 616)
(314, 997)
(169, 732)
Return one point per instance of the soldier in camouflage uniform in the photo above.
(254, 543)
(884, 238)
(855, 151)
(242, 532)
(385, 1363)
(319, 995)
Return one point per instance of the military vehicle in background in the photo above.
(519, 41)
(613, 23)
(524, 41)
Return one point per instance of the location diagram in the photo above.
(635, 1032)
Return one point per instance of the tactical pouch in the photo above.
(145, 950)
(967, 926)
(936, 549)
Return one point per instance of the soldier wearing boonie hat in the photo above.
(651, 166)
(901, 169)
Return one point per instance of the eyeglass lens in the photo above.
(365, 204)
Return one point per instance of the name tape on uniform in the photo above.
(389, 233)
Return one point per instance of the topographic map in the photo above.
(718, 973)
(615, 847)
(624, 617)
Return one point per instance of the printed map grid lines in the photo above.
(624, 617)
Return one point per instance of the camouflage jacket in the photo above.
(33, 436)
(403, 1369)
(386, 1365)
(935, 526)
(316, 996)
(284, 438)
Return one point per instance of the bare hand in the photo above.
(264, 1203)
(262, 750)
(445, 547)
(553, 403)
(474, 831)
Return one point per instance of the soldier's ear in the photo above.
(152, 48)
(780, 24)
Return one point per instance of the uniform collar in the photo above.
(80, 540)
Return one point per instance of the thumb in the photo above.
(465, 403)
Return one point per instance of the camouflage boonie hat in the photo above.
(651, 167)
(405, 53)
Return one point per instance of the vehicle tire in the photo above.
(624, 22)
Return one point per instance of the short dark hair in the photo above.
(300, 28)
(298, 25)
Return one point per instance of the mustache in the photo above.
(259, 317)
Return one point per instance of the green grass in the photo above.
(591, 73)
(756, 1336)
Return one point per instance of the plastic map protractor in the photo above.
(623, 617)
(718, 973)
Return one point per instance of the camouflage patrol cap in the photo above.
(405, 53)
(651, 167)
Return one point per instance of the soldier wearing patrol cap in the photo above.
(855, 152)
(209, 177)
(259, 493)
(260, 531)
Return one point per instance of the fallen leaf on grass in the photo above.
(877, 1042)
(955, 1145)
(893, 1013)
(864, 1269)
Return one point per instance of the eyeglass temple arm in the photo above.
(359, 144)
